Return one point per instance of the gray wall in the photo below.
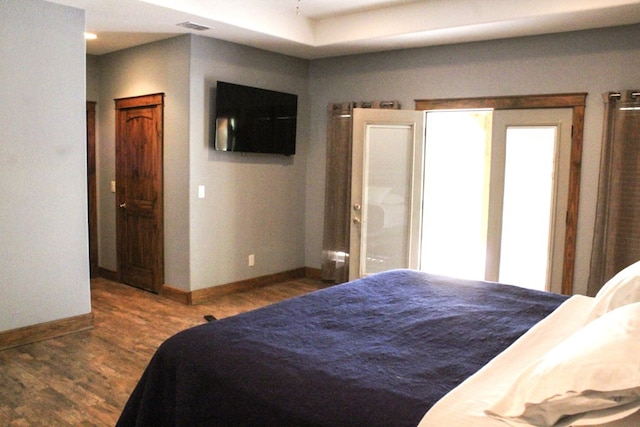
(93, 78)
(253, 204)
(44, 269)
(153, 68)
(593, 61)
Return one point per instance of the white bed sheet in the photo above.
(465, 404)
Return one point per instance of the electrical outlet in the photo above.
(252, 260)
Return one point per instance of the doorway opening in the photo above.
(566, 222)
(495, 182)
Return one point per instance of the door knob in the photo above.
(356, 220)
(123, 205)
(356, 207)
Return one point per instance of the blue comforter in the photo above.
(378, 351)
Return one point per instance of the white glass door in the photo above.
(533, 152)
(386, 190)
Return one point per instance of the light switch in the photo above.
(113, 186)
(201, 191)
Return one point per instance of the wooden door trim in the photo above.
(92, 198)
(139, 101)
(565, 100)
(577, 102)
(132, 103)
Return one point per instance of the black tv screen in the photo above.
(252, 120)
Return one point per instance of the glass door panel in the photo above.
(527, 205)
(386, 214)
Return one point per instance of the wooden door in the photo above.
(139, 191)
(92, 198)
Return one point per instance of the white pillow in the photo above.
(621, 289)
(592, 377)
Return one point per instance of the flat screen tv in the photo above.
(252, 120)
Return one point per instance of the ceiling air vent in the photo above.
(193, 26)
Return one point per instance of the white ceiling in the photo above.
(322, 28)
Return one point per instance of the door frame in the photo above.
(129, 103)
(577, 102)
(92, 198)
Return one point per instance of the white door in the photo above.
(531, 157)
(386, 190)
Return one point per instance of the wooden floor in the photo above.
(85, 378)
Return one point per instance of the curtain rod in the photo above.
(632, 95)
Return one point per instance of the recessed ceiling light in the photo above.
(90, 36)
(193, 26)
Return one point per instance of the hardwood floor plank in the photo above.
(84, 379)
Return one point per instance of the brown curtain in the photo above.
(616, 242)
(335, 247)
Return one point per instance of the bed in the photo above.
(385, 350)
